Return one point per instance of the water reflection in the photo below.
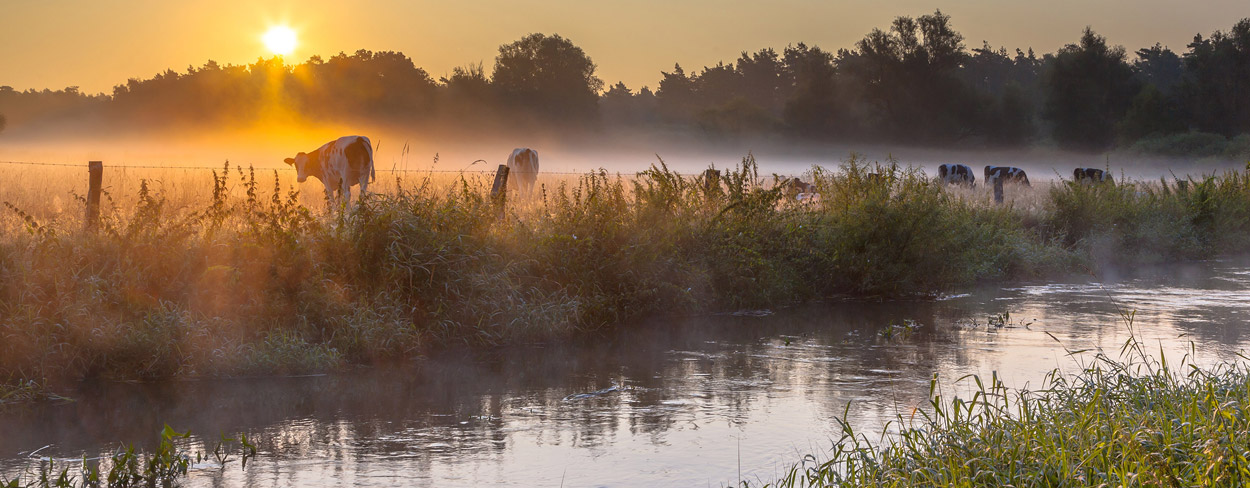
(677, 402)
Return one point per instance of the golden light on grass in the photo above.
(280, 39)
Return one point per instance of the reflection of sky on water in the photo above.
(692, 396)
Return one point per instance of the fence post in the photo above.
(998, 190)
(95, 171)
(499, 191)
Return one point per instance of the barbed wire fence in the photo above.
(282, 169)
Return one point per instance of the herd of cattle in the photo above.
(961, 174)
(348, 161)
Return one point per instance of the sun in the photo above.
(280, 39)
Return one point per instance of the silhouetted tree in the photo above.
(548, 74)
(621, 105)
(761, 79)
(811, 105)
(1159, 66)
(913, 82)
(374, 84)
(675, 94)
(1088, 89)
(1216, 90)
(908, 74)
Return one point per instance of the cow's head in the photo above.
(300, 162)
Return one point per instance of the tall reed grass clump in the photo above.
(1145, 222)
(1136, 421)
(252, 281)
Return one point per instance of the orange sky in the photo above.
(98, 44)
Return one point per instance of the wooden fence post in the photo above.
(95, 170)
(998, 190)
(499, 191)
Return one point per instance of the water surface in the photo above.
(690, 401)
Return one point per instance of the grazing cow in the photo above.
(523, 169)
(339, 164)
(957, 174)
(799, 190)
(1091, 175)
(1008, 174)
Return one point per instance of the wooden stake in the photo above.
(499, 191)
(95, 171)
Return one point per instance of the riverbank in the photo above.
(1119, 422)
(252, 282)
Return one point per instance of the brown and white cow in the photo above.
(799, 190)
(339, 164)
(523, 169)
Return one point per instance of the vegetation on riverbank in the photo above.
(252, 281)
(166, 465)
(1136, 421)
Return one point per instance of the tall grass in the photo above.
(166, 465)
(1140, 222)
(1131, 421)
(253, 279)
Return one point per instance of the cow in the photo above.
(799, 190)
(957, 174)
(339, 164)
(1091, 175)
(523, 169)
(1008, 174)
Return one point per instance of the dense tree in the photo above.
(1151, 114)
(675, 94)
(1089, 87)
(812, 106)
(620, 105)
(549, 75)
(384, 83)
(761, 79)
(911, 82)
(1158, 66)
(1216, 90)
(908, 75)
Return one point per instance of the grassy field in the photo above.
(239, 273)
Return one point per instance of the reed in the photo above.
(1135, 420)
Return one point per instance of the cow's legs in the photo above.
(347, 195)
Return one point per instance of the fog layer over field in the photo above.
(572, 151)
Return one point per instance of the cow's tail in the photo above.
(373, 173)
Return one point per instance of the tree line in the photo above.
(913, 82)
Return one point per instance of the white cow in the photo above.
(339, 164)
(523, 169)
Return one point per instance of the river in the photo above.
(688, 401)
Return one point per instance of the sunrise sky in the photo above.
(96, 45)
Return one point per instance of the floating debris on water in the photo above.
(597, 393)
